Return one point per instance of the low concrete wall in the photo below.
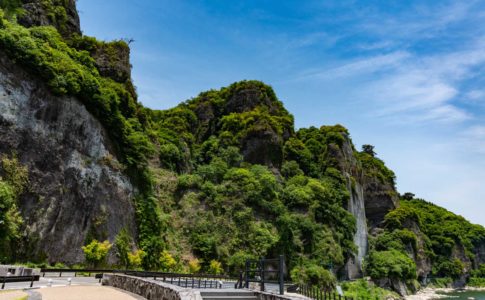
(150, 289)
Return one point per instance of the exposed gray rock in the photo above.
(76, 184)
(380, 198)
(42, 13)
(113, 60)
(350, 167)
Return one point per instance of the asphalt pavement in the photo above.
(54, 281)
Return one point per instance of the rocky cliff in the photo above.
(220, 178)
(77, 187)
(61, 14)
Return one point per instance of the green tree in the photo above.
(215, 267)
(314, 275)
(194, 266)
(369, 149)
(96, 252)
(123, 245)
(167, 262)
(135, 258)
(10, 220)
(390, 264)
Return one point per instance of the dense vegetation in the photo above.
(13, 180)
(428, 234)
(233, 209)
(224, 177)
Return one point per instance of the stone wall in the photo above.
(272, 296)
(150, 289)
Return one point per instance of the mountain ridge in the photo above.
(221, 177)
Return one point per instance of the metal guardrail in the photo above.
(315, 293)
(7, 279)
(183, 280)
(257, 271)
(75, 271)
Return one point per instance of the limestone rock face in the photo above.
(380, 198)
(479, 255)
(263, 145)
(113, 60)
(76, 187)
(60, 14)
(350, 167)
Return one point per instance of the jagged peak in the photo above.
(241, 96)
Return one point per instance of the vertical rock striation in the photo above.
(77, 189)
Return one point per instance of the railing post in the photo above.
(246, 284)
(282, 274)
(261, 273)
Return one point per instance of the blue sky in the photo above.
(405, 76)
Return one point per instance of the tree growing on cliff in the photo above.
(11, 187)
(390, 264)
(123, 245)
(369, 149)
(314, 275)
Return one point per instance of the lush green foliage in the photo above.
(194, 266)
(476, 282)
(96, 252)
(390, 264)
(375, 168)
(11, 7)
(425, 231)
(12, 185)
(362, 289)
(315, 276)
(441, 282)
(205, 204)
(135, 258)
(123, 247)
(479, 272)
(230, 210)
(446, 235)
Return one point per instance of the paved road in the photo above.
(54, 281)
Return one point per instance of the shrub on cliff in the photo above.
(390, 264)
(314, 275)
(96, 252)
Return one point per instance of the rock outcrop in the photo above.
(60, 14)
(349, 165)
(380, 198)
(77, 189)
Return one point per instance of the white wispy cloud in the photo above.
(474, 138)
(418, 23)
(358, 67)
(408, 87)
(475, 95)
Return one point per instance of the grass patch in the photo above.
(362, 289)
